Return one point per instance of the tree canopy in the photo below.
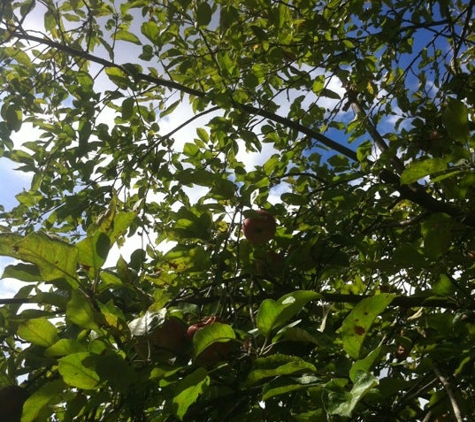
(152, 130)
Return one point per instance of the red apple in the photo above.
(259, 229)
(12, 398)
(192, 329)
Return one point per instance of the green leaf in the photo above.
(367, 363)
(38, 331)
(455, 119)
(285, 385)
(23, 272)
(343, 403)
(84, 132)
(14, 118)
(127, 36)
(188, 390)
(203, 14)
(278, 365)
(420, 169)
(75, 374)
(213, 333)
(127, 108)
(325, 92)
(356, 325)
(443, 286)
(64, 347)
(54, 258)
(80, 312)
(407, 255)
(115, 371)
(94, 249)
(8, 243)
(437, 234)
(273, 314)
(118, 76)
(46, 394)
(151, 31)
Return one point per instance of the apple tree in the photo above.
(256, 210)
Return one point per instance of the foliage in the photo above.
(139, 121)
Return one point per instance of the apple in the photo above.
(270, 264)
(167, 341)
(12, 398)
(435, 134)
(401, 353)
(260, 228)
(192, 329)
(171, 336)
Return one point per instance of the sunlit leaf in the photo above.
(39, 331)
(80, 311)
(188, 390)
(357, 324)
(420, 169)
(54, 258)
(273, 314)
(75, 374)
(206, 336)
(127, 36)
(48, 393)
(64, 347)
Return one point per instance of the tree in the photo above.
(360, 118)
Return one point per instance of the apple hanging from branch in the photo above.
(259, 228)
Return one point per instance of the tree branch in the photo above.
(450, 393)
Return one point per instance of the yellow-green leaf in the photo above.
(76, 374)
(356, 325)
(38, 331)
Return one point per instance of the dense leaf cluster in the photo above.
(158, 126)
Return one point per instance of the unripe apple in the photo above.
(12, 398)
(261, 228)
